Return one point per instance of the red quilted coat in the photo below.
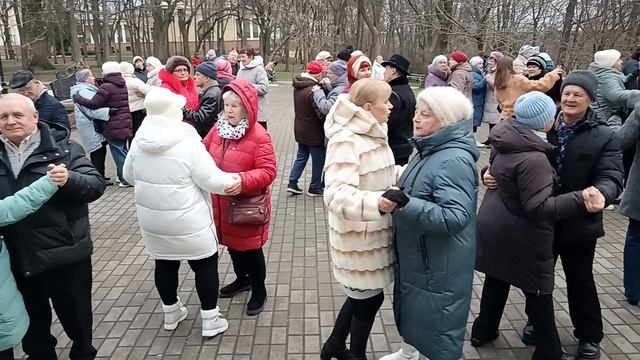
(186, 88)
(253, 156)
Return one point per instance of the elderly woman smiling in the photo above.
(434, 229)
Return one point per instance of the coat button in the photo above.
(44, 158)
(57, 154)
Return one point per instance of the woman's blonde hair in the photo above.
(368, 91)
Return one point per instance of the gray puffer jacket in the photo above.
(613, 98)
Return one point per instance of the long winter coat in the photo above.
(436, 77)
(13, 315)
(359, 167)
(593, 158)
(51, 110)
(253, 156)
(209, 106)
(401, 118)
(174, 204)
(491, 114)
(612, 96)
(478, 95)
(434, 241)
(308, 122)
(629, 135)
(325, 102)
(58, 234)
(90, 138)
(519, 85)
(255, 74)
(461, 80)
(523, 204)
(113, 94)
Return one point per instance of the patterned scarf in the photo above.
(564, 133)
(230, 132)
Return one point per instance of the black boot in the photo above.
(588, 351)
(360, 331)
(334, 347)
(528, 334)
(257, 270)
(238, 285)
(478, 341)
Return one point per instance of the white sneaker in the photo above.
(479, 144)
(213, 323)
(407, 352)
(610, 208)
(174, 314)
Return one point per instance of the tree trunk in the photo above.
(76, 53)
(566, 30)
(8, 43)
(160, 36)
(106, 39)
(36, 34)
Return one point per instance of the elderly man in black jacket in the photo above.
(50, 249)
(207, 114)
(587, 153)
(404, 106)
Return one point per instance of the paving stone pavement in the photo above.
(303, 296)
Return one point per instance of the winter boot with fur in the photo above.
(213, 323)
(407, 352)
(173, 314)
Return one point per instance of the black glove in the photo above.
(113, 111)
(397, 196)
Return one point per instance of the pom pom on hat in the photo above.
(535, 109)
(607, 58)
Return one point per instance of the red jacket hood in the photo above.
(248, 95)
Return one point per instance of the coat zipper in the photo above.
(425, 254)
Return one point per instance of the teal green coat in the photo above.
(13, 316)
(434, 240)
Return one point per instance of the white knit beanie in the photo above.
(438, 59)
(476, 60)
(162, 102)
(126, 68)
(447, 104)
(110, 67)
(606, 58)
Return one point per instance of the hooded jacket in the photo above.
(113, 94)
(359, 167)
(173, 177)
(14, 319)
(85, 118)
(436, 77)
(401, 118)
(186, 88)
(255, 74)
(58, 234)
(152, 76)
(612, 96)
(524, 204)
(254, 158)
(308, 123)
(434, 241)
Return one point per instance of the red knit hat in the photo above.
(355, 64)
(459, 56)
(315, 68)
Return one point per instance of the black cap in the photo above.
(584, 79)
(399, 62)
(537, 61)
(20, 78)
(345, 54)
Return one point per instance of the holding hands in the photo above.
(593, 199)
(235, 187)
(58, 174)
(392, 199)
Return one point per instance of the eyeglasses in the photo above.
(181, 70)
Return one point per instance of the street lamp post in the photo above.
(180, 8)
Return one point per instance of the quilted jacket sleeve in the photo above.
(629, 133)
(609, 172)
(85, 183)
(26, 201)
(264, 172)
(206, 174)
(614, 92)
(99, 99)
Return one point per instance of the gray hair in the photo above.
(26, 100)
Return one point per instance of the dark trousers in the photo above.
(539, 309)
(6, 354)
(207, 283)
(98, 157)
(317, 154)
(627, 160)
(403, 160)
(69, 289)
(136, 119)
(251, 263)
(584, 306)
(632, 261)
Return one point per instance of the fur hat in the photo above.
(447, 104)
(153, 61)
(162, 102)
(176, 61)
(126, 68)
(535, 109)
(607, 58)
(110, 67)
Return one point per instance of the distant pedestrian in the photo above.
(153, 67)
(491, 114)
(49, 108)
(252, 70)
(232, 57)
(478, 94)
(139, 69)
(460, 77)
(438, 72)
(137, 90)
(224, 74)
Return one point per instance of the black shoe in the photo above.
(315, 192)
(588, 351)
(331, 350)
(256, 302)
(528, 335)
(633, 302)
(294, 189)
(567, 356)
(475, 342)
(237, 286)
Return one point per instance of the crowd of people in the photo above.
(397, 173)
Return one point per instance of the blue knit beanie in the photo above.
(535, 109)
(208, 69)
(338, 67)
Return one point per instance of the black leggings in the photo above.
(98, 158)
(206, 270)
(250, 263)
(6, 354)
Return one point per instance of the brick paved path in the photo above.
(303, 297)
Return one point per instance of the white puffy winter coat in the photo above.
(173, 175)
